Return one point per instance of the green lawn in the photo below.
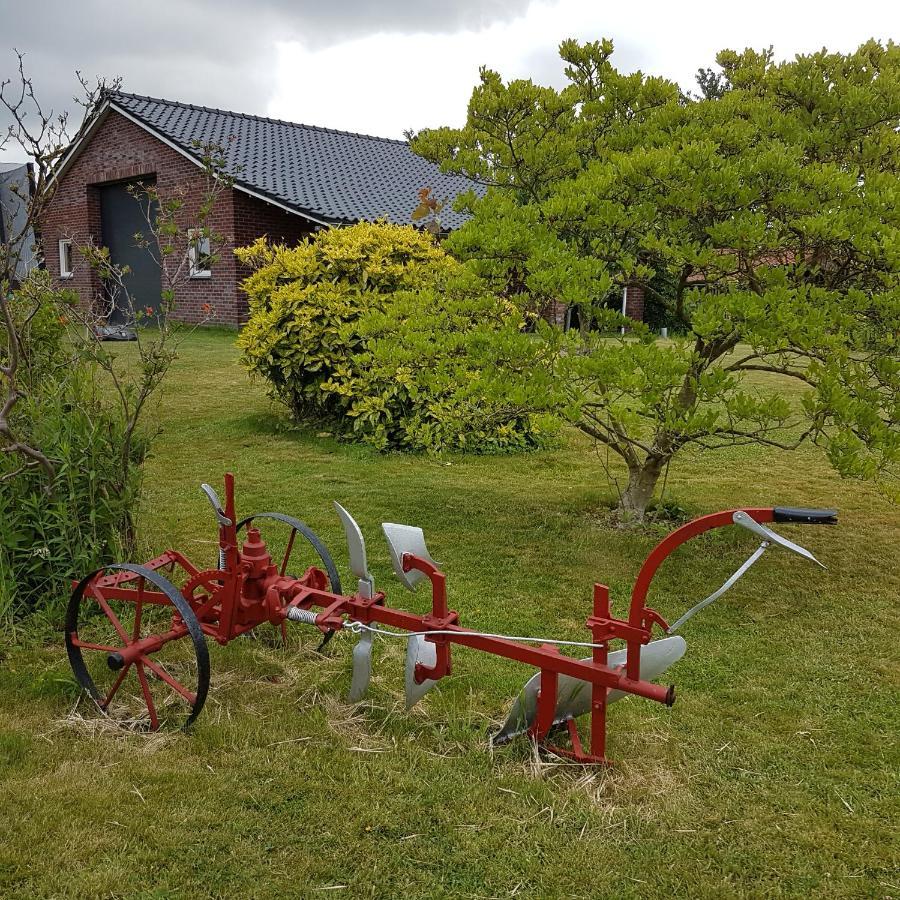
(776, 773)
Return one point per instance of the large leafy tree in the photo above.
(769, 207)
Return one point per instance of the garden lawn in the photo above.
(776, 772)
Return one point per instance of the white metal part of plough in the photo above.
(401, 539)
(362, 651)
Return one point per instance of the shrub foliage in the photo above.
(47, 539)
(51, 533)
(373, 331)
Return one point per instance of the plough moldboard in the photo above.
(137, 643)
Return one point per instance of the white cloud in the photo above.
(383, 67)
(385, 82)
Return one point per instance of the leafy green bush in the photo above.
(375, 330)
(52, 533)
(47, 539)
(39, 315)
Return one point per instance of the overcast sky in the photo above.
(381, 67)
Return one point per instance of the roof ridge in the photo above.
(242, 115)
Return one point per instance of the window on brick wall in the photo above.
(199, 255)
(65, 259)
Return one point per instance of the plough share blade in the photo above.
(362, 651)
(419, 652)
(573, 696)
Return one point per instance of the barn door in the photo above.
(122, 216)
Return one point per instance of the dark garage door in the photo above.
(122, 216)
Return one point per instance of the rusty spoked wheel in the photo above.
(136, 647)
(283, 547)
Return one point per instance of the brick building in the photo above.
(288, 181)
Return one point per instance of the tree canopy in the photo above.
(770, 203)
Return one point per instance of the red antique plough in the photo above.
(125, 624)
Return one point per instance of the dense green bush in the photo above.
(52, 533)
(374, 331)
(47, 539)
(39, 316)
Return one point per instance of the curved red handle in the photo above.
(639, 615)
(672, 542)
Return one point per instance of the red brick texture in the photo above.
(634, 302)
(634, 306)
(255, 218)
(121, 150)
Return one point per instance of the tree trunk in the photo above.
(584, 322)
(642, 481)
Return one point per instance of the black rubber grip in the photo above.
(805, 516)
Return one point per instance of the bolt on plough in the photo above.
(129, 624)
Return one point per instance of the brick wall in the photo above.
(558, 313)
(634, 302)
(120, 150)
(255, 218)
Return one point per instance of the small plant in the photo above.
(176, 237)
(428, 211)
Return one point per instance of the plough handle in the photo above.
(798, 516)
(641, 616)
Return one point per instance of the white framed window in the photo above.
(198, 254)
(66, 269)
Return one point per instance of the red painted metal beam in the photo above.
(539, 657)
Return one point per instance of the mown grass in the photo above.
(776, 773)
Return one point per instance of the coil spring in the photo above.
(306, 616)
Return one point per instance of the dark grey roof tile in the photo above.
(337, 176)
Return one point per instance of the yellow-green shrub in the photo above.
(371, 329)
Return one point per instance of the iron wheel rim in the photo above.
(82, 673)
